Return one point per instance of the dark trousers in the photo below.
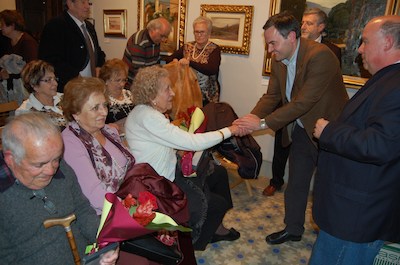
(214, 199)
(302, 162)
(279, 160)
(219, 202)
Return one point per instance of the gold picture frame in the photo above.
(174, 11)
(350, 80)
(114, 22)
(231, 26)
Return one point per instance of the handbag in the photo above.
(149, 247)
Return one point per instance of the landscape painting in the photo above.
(231, 26)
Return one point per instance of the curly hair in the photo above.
(147, 83)
(77, 92)
(112, 68)
(33, 72)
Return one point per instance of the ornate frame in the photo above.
(114, 23)
(178, 23)
(238, 39)
(392, 7)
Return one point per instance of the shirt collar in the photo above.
(293, 59)
(319, 39)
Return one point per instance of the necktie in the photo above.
(90, 50)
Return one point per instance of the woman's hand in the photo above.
(184, 61)
(109, 258)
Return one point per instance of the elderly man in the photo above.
(357, 198)
(34, 186)
(69, 42)
(312, 26)
(307, 79)
(143, 47)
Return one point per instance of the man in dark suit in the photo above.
(63, 43)
(356, 194)
(313, 25)
(306, 77)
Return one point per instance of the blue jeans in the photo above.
(329, 250)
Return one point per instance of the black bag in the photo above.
(149, 247)
(244, 151)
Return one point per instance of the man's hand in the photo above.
(319, 127)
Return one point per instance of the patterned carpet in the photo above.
(256, 217)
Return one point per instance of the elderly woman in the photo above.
(39, 79)
(153, 139)
(114, 73)
(92, 148)
(204, 57)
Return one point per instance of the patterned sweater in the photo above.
(140, 51)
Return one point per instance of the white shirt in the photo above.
(153, 139)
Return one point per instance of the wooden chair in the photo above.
(232, 169)
(6, 110)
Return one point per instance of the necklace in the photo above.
(195, 48)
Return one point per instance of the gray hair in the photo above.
(322, 17)
(205, 20)
(392, 28)
(157, 23)
(39, 125)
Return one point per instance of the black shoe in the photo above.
(281, 237)
(231, 236)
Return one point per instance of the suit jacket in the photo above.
(335, 49)
(63, 45)
(318, 90)
(357, 187)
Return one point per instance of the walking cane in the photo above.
(66, 222)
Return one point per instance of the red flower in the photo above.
(129, 201)
(145, 196)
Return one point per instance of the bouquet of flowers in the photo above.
(131, 218)
(193, 121)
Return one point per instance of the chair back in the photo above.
(6, 110)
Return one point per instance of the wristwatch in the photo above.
(263, 124)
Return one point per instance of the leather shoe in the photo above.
(281, 237)
(231, 236)
(270, 190)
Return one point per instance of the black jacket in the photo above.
(63, 45)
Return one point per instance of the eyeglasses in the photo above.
(48, 205)
(120, 80)
(49, 80)
(200, 32)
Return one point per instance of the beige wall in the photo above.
(7, 4)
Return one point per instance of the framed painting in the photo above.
(231, 26)
(346, 20)
(114, 23)
(174, 11)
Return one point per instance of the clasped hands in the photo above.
(245, 125)
(250, 123)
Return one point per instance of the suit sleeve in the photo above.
(374, 138)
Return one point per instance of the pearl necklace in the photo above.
(195, 48)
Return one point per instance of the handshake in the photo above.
(246, 125)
